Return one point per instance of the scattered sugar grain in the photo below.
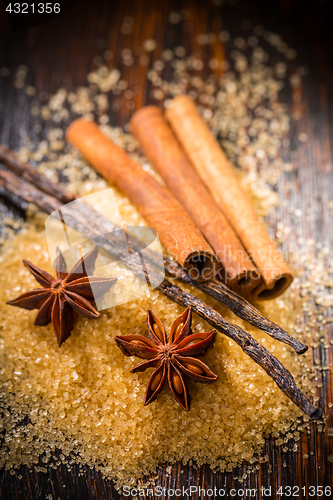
(30, 91)
(4, 71)
(303, 137)
(150, 45)
(175, 17)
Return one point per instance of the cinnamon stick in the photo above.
(86, 220)
(156, 204)
(216, 172)
(163, 150)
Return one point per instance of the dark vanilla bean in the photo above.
(30, 174)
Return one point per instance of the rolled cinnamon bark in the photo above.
(162, 148)
(160, 209)
(216, 172)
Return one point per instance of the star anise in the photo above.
(66, 294)
(173, 358)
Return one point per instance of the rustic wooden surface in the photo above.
(62, 51)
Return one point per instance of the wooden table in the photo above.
(63, 51)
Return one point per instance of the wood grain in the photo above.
(61, 53)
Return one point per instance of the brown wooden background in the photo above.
(63, 51)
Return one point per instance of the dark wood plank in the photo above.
(62, 52)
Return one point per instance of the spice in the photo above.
(214, 288)
(160, 209)
(81, 218)
(216, 172)
(30, 174)
(64, 295)
(173, 358)
(163, 150)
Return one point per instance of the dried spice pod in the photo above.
(194, 368)
(216, 172)
(67, 294)
(31, 174)
(156, 204)
(173, 357)
(162, 148)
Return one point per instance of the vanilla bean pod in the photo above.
(216, 289)
(272, 366)
(31, 175)
(84, 219)
(239, 306)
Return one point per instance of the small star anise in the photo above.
(173, 358)
(60, 297)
